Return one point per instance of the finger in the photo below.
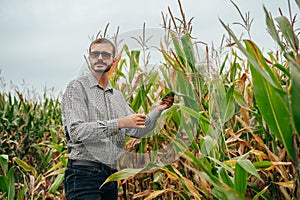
(141, 116)
(169, 103)
(140, 123)
(169, 99)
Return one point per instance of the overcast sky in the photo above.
(43, 41)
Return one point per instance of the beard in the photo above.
(101, 71)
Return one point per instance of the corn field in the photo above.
(232, 133)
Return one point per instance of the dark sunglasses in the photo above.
(105, 55)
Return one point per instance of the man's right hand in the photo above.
(132, 121)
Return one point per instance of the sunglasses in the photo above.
(105, 55)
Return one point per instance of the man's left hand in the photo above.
(165, 103)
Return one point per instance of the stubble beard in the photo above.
(102, 71)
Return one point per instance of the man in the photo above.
(96, 119)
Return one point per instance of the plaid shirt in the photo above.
(90, 118)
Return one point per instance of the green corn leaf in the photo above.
(272, 29)
(188, 51)
(22, 192)
(25, 166)
(262, 164)
(155, 148)
(267, 76)
(249, 167)
(261, 193)
(287, 31)
(134, 64)
(225, 101)
(137, 101)
(209, 146)
(272, 103)
(57, 182)
(166, 76)
(228, 110)
(283, 69)
(273, 107)
(295, 94)
(195, 114)
(225, 178)
(240, 99)
(220, 190)
(240, 179)
(233, 70)
(11, 183)
(183, 86)
(142, 145)
(259, 63)
(122, 174)
(3, 184)
(223, 165)
(4, 164)
(223, 64)
(178, 49)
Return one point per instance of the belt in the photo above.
(97, 165)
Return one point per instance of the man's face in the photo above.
(101, 57)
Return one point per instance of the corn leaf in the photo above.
(188, 51)
(272, 29)
(22, 192)
(295, 94)
(272, 103)
(262, 164)
(134, 64)
(3, 184)
(122, 174)
(225, 178)
(4, 164)
(249, 167)
(240, 99)
(269, 77)
(25, 166)
(11, 183)
(178, 49)
(57, 182)
(260, 193)
(229, 108)
(240, 179)
(287, 31)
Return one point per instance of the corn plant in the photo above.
(229, 143)
(31, 135)
(7, 181)
(232, 132)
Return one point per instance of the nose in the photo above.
(100, 57)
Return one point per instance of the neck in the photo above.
(102, 78)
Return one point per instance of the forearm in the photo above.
(92, 131)
(150, 124)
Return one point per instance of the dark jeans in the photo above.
(83, 183)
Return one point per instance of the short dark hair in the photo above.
(103, 40)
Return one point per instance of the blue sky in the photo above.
(43, 42)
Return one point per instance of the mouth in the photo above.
(99, 66)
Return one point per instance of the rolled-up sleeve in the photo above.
(150, 123)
